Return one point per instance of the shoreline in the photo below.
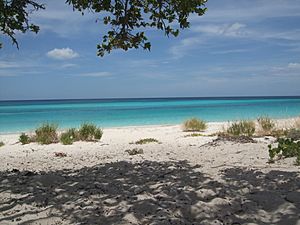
(279, 121)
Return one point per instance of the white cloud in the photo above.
(68, 65)
(62, 54)
(96, 74)
(8, 65)
(185, 45)
(230, 30)
(294, 65)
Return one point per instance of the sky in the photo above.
(238, 48)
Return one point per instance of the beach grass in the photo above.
(89, 132)
(1, 144)
(194, 124)
(68, 137)
(242, 128)
(46, 134)
(24, 139)
(266, 125)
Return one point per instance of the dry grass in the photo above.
(266, 125)
(297, 123)
(194, 124)
(242, 128)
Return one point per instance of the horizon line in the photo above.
(153, 98)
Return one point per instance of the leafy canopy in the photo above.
(127, 19)
(14, 17)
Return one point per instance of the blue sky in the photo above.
(239, 48)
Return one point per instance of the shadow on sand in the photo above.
(149, 193)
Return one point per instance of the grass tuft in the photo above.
(266, 125)
(242, 128)
(68, 137)
(24, 139)
(1, 143)
(89, 132)
(46, 134)
(194, 124)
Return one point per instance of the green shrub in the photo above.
(242, 128)
(24, 139)
(46, 134)
(1, 143)
(98, 134)
(68, 137)
(86, 132)
(287, 148)
(146, 141)
(89, 132)
(194, 124)
(266, 124)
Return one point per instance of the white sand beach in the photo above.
(180, 180)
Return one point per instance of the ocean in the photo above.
(18, 116)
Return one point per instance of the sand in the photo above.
(180, 180)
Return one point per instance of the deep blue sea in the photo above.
(16, 116)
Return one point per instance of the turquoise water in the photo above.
(16, 116)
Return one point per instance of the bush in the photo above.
(146, 141)
(98, 134)
(287, 148)
(24, 139)
(266, 124)
(1, 143)
(89, 132)
(242, 128)
(194, 124)
(68, 137)
(46, 134)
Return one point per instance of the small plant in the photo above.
(135, 151)
(68, 137)
(98, 134)
(60, 154)
(266, 124)
(286, 148)
(89, 132)
(46, 134)
(24, 139)
(146, 141)
(1, 143)
(194, 135)
(242, 128)
(194, 124)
